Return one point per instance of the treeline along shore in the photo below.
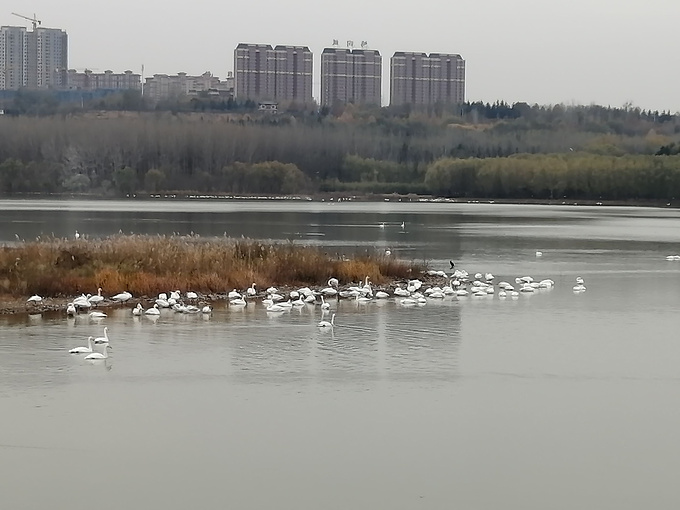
(149, 265)
(492, 151)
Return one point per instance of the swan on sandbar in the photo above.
(83, 350)
(97, 298)
(326, 324)
(122, 297)
(35, 299)
(329, 291)
(99, 355)
(251, 290)
(234, 294)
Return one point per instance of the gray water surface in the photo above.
(552, 400)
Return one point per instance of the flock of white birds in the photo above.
(459, 285)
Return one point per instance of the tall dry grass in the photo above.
(146, 265)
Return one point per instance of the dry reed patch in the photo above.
(147, 265)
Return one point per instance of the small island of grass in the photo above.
(58, 269)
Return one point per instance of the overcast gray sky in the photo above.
(607, 52)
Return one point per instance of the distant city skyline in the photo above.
(596, 51)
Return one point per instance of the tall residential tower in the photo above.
(421, 79)
(282, 73)
(350, 76)
(35, 60)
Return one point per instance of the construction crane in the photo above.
(33, 20)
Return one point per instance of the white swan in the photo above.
(239, 301)
(122, 297)
(299, 301)
(206, 309)
(333, 282)
(98, 298)
(401, 292)
(192, 295)
(99, 355)
(71, 309)
(275, 308)
(251, 290)
(326, 324)
(97, 315)
(138, 310)
(381, 295)
(82, 302)
(83, 350)
(152, 311)
(324, 305)
(233, 294)
(103, 339)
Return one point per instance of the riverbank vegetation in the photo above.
(347, 149)
(147, 265)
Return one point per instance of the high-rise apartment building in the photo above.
(351, 76)
(281, 73)
(51, 58)
(13, 55)
(421, 79)
(36, 60)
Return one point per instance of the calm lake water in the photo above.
(553, 400)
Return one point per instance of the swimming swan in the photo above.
(83, 350)
(326, 324)
(103, 339)
(99, 355)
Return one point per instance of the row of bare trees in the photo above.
(371, 151)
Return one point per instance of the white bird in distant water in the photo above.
(83, 350)
(99, 355)
(103, 339)
(326, 324)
